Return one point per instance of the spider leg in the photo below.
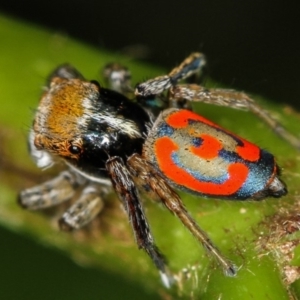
(52, 192)
(146, 172)
(128, 194)
(190, 66)
(149, 93)
(118, 78)
(233, 99)
(85, 209)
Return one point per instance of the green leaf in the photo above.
(240, 229)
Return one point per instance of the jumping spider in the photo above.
(154, 141)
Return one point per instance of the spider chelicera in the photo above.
(153, 142)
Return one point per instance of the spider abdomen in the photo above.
(198, 156)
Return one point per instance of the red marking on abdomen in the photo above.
(249, 151)
(209, 147)
(180, 119)
(237, 172)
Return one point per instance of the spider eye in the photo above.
(74, 149)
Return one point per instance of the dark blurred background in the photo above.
(251, 45)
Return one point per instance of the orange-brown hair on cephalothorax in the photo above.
(62, 115)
